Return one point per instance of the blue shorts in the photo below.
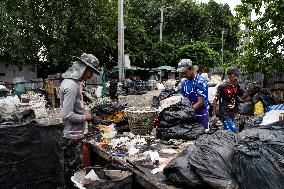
(230, 125)
(202, 117)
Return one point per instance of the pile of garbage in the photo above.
(136, 87)
(258, 103)
(111, 113)
(225, 160)
(30, 107)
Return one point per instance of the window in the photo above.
(2, 74)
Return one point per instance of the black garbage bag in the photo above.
(107, 109)
(155, 102)
(178, 122)
(245, 108)
(179, 172)
(258, 162)
(212, 159)
(31, 157)
(176, 114)
(166, 94)
(184, 131)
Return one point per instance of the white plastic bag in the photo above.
(160, 86)
(98, 91)
(9, 106)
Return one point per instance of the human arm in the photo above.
(214, 106)
(182, 91)
(199, 104)
(216, 99)
(243, 94)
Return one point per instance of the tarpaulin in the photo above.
(31, 157)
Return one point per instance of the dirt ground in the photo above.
(139, 100)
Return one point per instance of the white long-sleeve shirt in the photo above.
(72, 110)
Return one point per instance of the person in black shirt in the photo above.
(227, 96)
(113, 87)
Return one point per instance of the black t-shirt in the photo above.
(227, 96)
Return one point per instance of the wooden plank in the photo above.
(139, 177)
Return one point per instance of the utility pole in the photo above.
(222, 59)
(120, 40)
(162, 9)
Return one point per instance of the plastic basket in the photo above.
(141, 120)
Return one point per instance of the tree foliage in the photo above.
(264, 51)
(59, 29)
(200, 54)
(63, 29)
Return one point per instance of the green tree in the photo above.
(199, 53)
(220, 18)
(184, 23)
(61, 29)
(264, 51)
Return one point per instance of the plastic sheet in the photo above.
(31, 157)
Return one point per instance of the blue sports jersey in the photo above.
(198, 86)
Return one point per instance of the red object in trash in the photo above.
(156, 121)
(86, 155)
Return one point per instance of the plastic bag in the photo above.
(212, 159)
(181, 174)
(245, 108)
(8, 106)
(258, 162)
(178, 122)
(258, 109)
(107, 109)
(183, 131)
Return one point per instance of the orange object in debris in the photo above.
(104, 143)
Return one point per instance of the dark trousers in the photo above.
(73, 159)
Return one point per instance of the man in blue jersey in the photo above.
(195, 88)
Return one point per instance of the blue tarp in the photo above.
(276, 107)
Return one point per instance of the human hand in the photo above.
(88, 117)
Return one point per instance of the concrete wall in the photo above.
(9, 71)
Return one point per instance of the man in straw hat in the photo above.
(73, 115)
